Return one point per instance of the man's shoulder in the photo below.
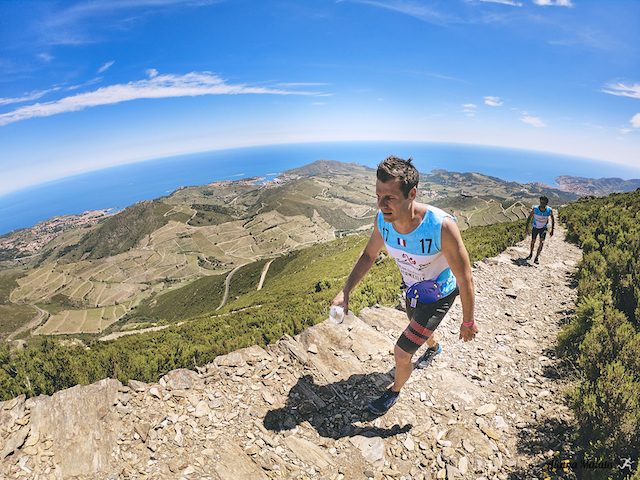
(435, 212)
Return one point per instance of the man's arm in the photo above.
(553, 223)
(526, 225)
(456, 254)
(361, 267)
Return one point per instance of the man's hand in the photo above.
(551, 233)
(468, 333)
(342, 299)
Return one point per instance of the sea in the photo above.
(118, 187)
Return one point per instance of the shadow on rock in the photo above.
(335, 410)
(521, 262)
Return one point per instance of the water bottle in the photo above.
(336, 314)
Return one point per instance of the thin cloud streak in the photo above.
(68, 26)
(302, 84)
(534, 121)
(556, 3)
(159, 86)
(621, 89)
(105, 66)
(414, 9)
(469, 109)
(504, 2)
(27, 98)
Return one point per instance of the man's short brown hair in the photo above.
(393, 167)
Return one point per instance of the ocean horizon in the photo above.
(121, 186)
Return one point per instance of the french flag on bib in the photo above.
(402, 242)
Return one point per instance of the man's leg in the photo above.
(424, 320)
(543, 235)
(404, 367)
(533, 243)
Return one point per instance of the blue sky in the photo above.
(91, 84)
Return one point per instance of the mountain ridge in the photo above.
(597, 187)
(88, 279)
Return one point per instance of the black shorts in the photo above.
(539, 231)
(424, 319)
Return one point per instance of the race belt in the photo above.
(426, 291)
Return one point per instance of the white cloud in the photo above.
(152, 72)
(535, 121)
(45, 57)
(635, 120)
(27, 98)
(493, 101)
(105, 66)
(158, 86)
(470, 109)
(621, 89)
(557, 3)
(505, 2)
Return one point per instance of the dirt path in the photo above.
(29, 325)
(227, 282)
(264, 274)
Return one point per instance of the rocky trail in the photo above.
(483, 410)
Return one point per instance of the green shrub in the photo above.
(603, 335)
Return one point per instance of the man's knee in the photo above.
(401, 356)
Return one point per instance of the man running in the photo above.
(426, 244)
(540, 215)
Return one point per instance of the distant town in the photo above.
(279, 180)
(33, 239)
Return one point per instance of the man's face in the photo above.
(543, 204)
(391, 201)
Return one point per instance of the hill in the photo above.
(89, 277)
(491, 408)
(596, 187)
(498, 411)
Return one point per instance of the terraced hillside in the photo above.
(86, 279)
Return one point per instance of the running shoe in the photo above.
(383, 403)
(536, 260)
(528, 258)
(428, 356)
